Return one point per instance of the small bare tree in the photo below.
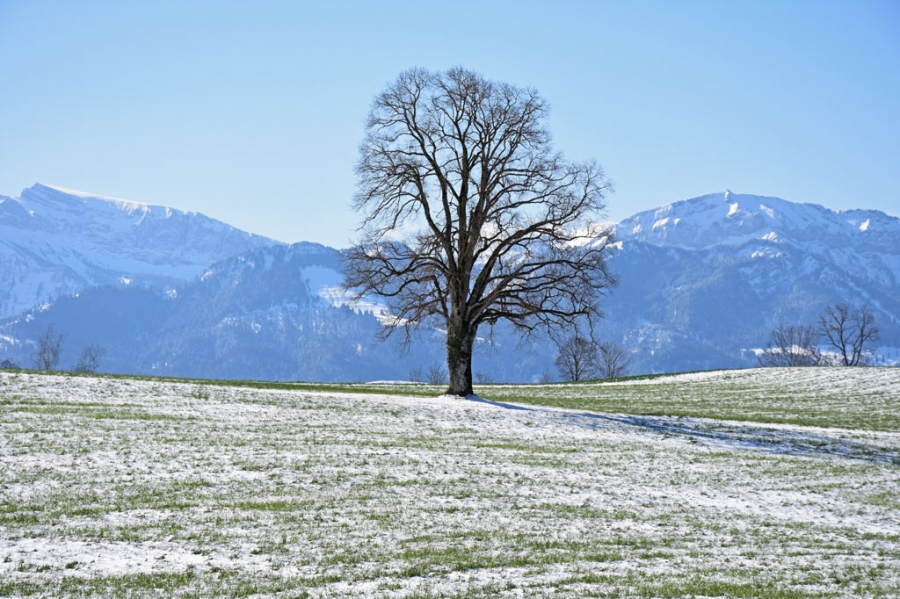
(89, 360)
(577, 359)
(471, 216)
(436, 374)
(791, 346)
(46, 356)
(417, 375)
(484, 378)
(848, 331)
(612, 360)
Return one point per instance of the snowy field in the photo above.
(133, 488)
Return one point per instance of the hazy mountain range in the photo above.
(55, 241)
(702, 282)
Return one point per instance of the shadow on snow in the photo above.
(744, 436)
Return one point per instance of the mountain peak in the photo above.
(44, 193)
(728, 218)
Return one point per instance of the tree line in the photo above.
(578, 359)
(845, 332)
(46, 356)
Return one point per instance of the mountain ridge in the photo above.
(745, 216)
(55, 242)
(702, 283)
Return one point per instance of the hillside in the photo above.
(56, 242)
(273, 313)
(121, 487)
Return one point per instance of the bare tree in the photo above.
(792, 346)
(89, 360)
(577, 359)
(417, 375)
(612, 360)
(8, 364)
(436, 374)
(848, 331)
(46, 356)
(471, 217)
(484, 378)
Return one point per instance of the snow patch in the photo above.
(129, 205)
(95, 196)
(339, 297)
(319, 278)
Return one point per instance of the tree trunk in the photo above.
(460, 339)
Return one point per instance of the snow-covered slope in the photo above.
(55, 241)
(864, 242)
(728, 218)
(269, 313)
(704, 281)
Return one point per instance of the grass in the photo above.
(860, 399)
(116, 486)
(820, 397)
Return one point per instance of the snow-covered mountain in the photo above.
(864, 242)
(702, 284)
(269, 313)
(730, 218)
(704, 281)
(55, 241)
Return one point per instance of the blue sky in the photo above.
(252, 112)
